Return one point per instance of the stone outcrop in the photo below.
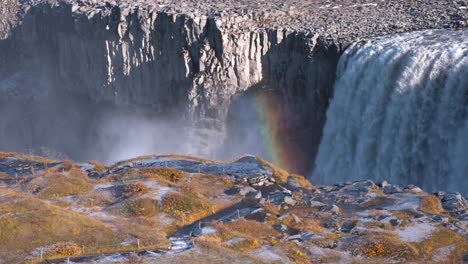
(191, 59)
(349, 221)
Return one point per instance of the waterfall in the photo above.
(400, 113)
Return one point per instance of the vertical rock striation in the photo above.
(69, 69)
(174, 64)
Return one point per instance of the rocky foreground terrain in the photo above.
(172, 208)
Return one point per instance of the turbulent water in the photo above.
(400, 112)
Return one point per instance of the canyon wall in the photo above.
(110, 80)
(183, 68)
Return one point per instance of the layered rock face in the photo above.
(79, 73)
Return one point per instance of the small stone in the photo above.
(315, 204)
(454, 203)
(334, 209)
(413, 189)
(245, 190)
(281, 227)
(348, 226)
(391, 189)
(254, 194)
(394, 222)
(289, 200)
(383, 184)
(439, 218)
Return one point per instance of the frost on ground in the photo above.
(416, 232)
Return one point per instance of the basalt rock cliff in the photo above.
(68, 67)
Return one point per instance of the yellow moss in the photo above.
(4, 155)
(228, 182)
(296, 253)
(315, 228)
(25, 157)
(60, 184)
(431, 205)
(442, 238)
(279, 174)
(169, 174)
(4, 176)
(186, 206)
(404, 214)
(301, 180)
(99, 167)
(248, 244)
(271, 208)
(374, 202)
(135, 189)
(28, 223)
(384, 246)
(64, 249)
(251, 227)
(145, 207)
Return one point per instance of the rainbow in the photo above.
(278, 139)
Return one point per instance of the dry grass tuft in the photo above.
(279, 174)
(186, 206)
(388, 246)
(29, 157)
(144, 207)
(165, 174)
(431, 205)
(64, 249)
(28, 223)
(442, 238)
(53, 185)
(99, 167)
(135, 189)
(301, 180)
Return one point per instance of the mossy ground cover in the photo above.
(57, 184)
(27, 223)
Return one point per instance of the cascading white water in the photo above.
(400, 113)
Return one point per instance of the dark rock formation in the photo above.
(184, 61)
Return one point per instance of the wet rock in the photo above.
(391, 189)
(316, 204)
(280, 227)
(254, 195)
(360, 187)
(245, 190)
(440, 218)
(333, 209)
(302, 237)
(276, 198)
(332, 223)
(257, 216)
(454, 202)
(348, 226)
(394, 222)
(232, 191)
